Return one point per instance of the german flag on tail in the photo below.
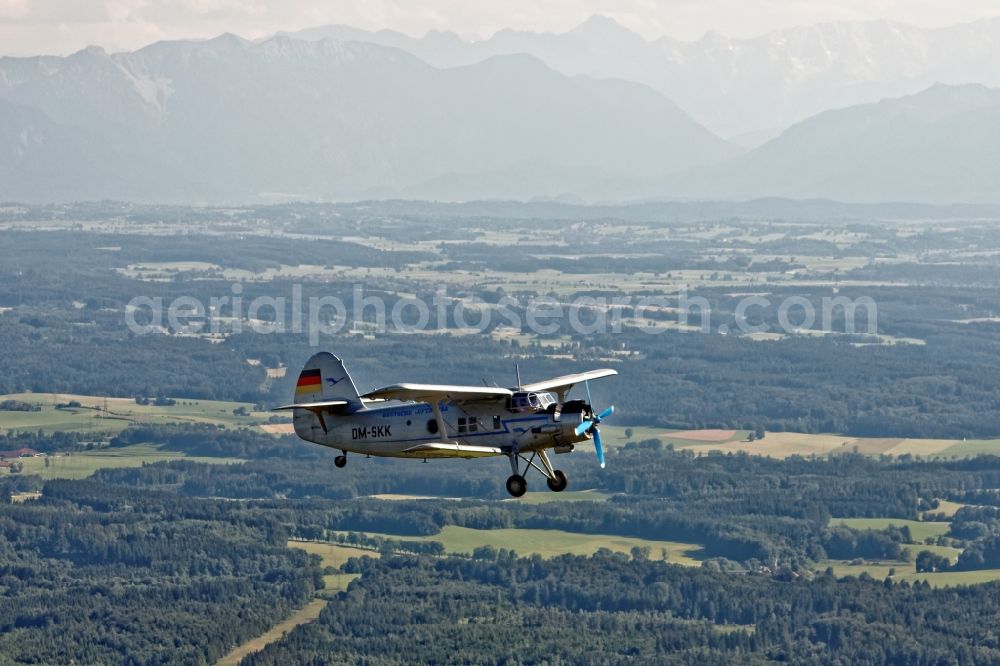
(310, 382)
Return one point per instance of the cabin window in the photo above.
(473, 424)
(461, 425)
(496, 422)
(432, 426)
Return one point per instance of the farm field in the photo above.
(535, 497)
(785, 444)
(121, 413)
(914, 549)
(333, 554)
(947, 508)
(919, 530)
(552, 543)
(905, 571)
(544, 497)
(614, 436)
(81, 465)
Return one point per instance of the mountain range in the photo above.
(234, 120)
(841, 111)
(743, 89)
(941, 145)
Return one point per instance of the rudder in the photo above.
(324, 377)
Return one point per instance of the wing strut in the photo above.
(442, 430)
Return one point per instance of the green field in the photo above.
(919, 530)
(972, 448)
(785, 444)
(551, 543)
(121, 413)
(944, 551)
(905, 571)
(543, 497)
(82, 465)
(614, 435)
(947, 508)
(333, 554)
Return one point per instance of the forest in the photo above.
(743, 508)
(99, 574)
(144, 551)
(614, 609)
(180, 561)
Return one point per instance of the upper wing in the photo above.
(566, 382)
(437, 391)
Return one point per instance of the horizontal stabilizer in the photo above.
(451, 450)
(312, 405)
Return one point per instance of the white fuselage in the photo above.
(391, 429)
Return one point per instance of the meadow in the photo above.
(785, 444)
(102, 416)
(85, 463)
(905, 571)
(552, 543)
(919, 530)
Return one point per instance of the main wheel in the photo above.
(340, 461)
(559, 483)
(516, 485)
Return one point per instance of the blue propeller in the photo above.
(590, 426)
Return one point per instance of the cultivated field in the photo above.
(537, 497)
(544, 497)
(83, 464)
(785, 444)
(552, 543)
(905, 571)
(919, 530)
(333, 555)
(91, 416)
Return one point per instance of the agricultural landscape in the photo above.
(755, 455)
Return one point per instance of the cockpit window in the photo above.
(530, 402)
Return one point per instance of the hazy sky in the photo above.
(64, 26)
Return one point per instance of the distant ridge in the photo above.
(938, 146)
(743, 89)
(231, 120)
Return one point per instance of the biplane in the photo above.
(427, 421)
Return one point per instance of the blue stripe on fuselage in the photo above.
(398, 411)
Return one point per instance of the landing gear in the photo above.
(340, 460)
(558, 482)
(516, 485)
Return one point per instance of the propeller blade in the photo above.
(606, 413)
(589, 399)
(584, 427)
(599, 447)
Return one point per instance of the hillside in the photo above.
(938, 146)
(227, 120)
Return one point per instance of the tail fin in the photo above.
(324, 377)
